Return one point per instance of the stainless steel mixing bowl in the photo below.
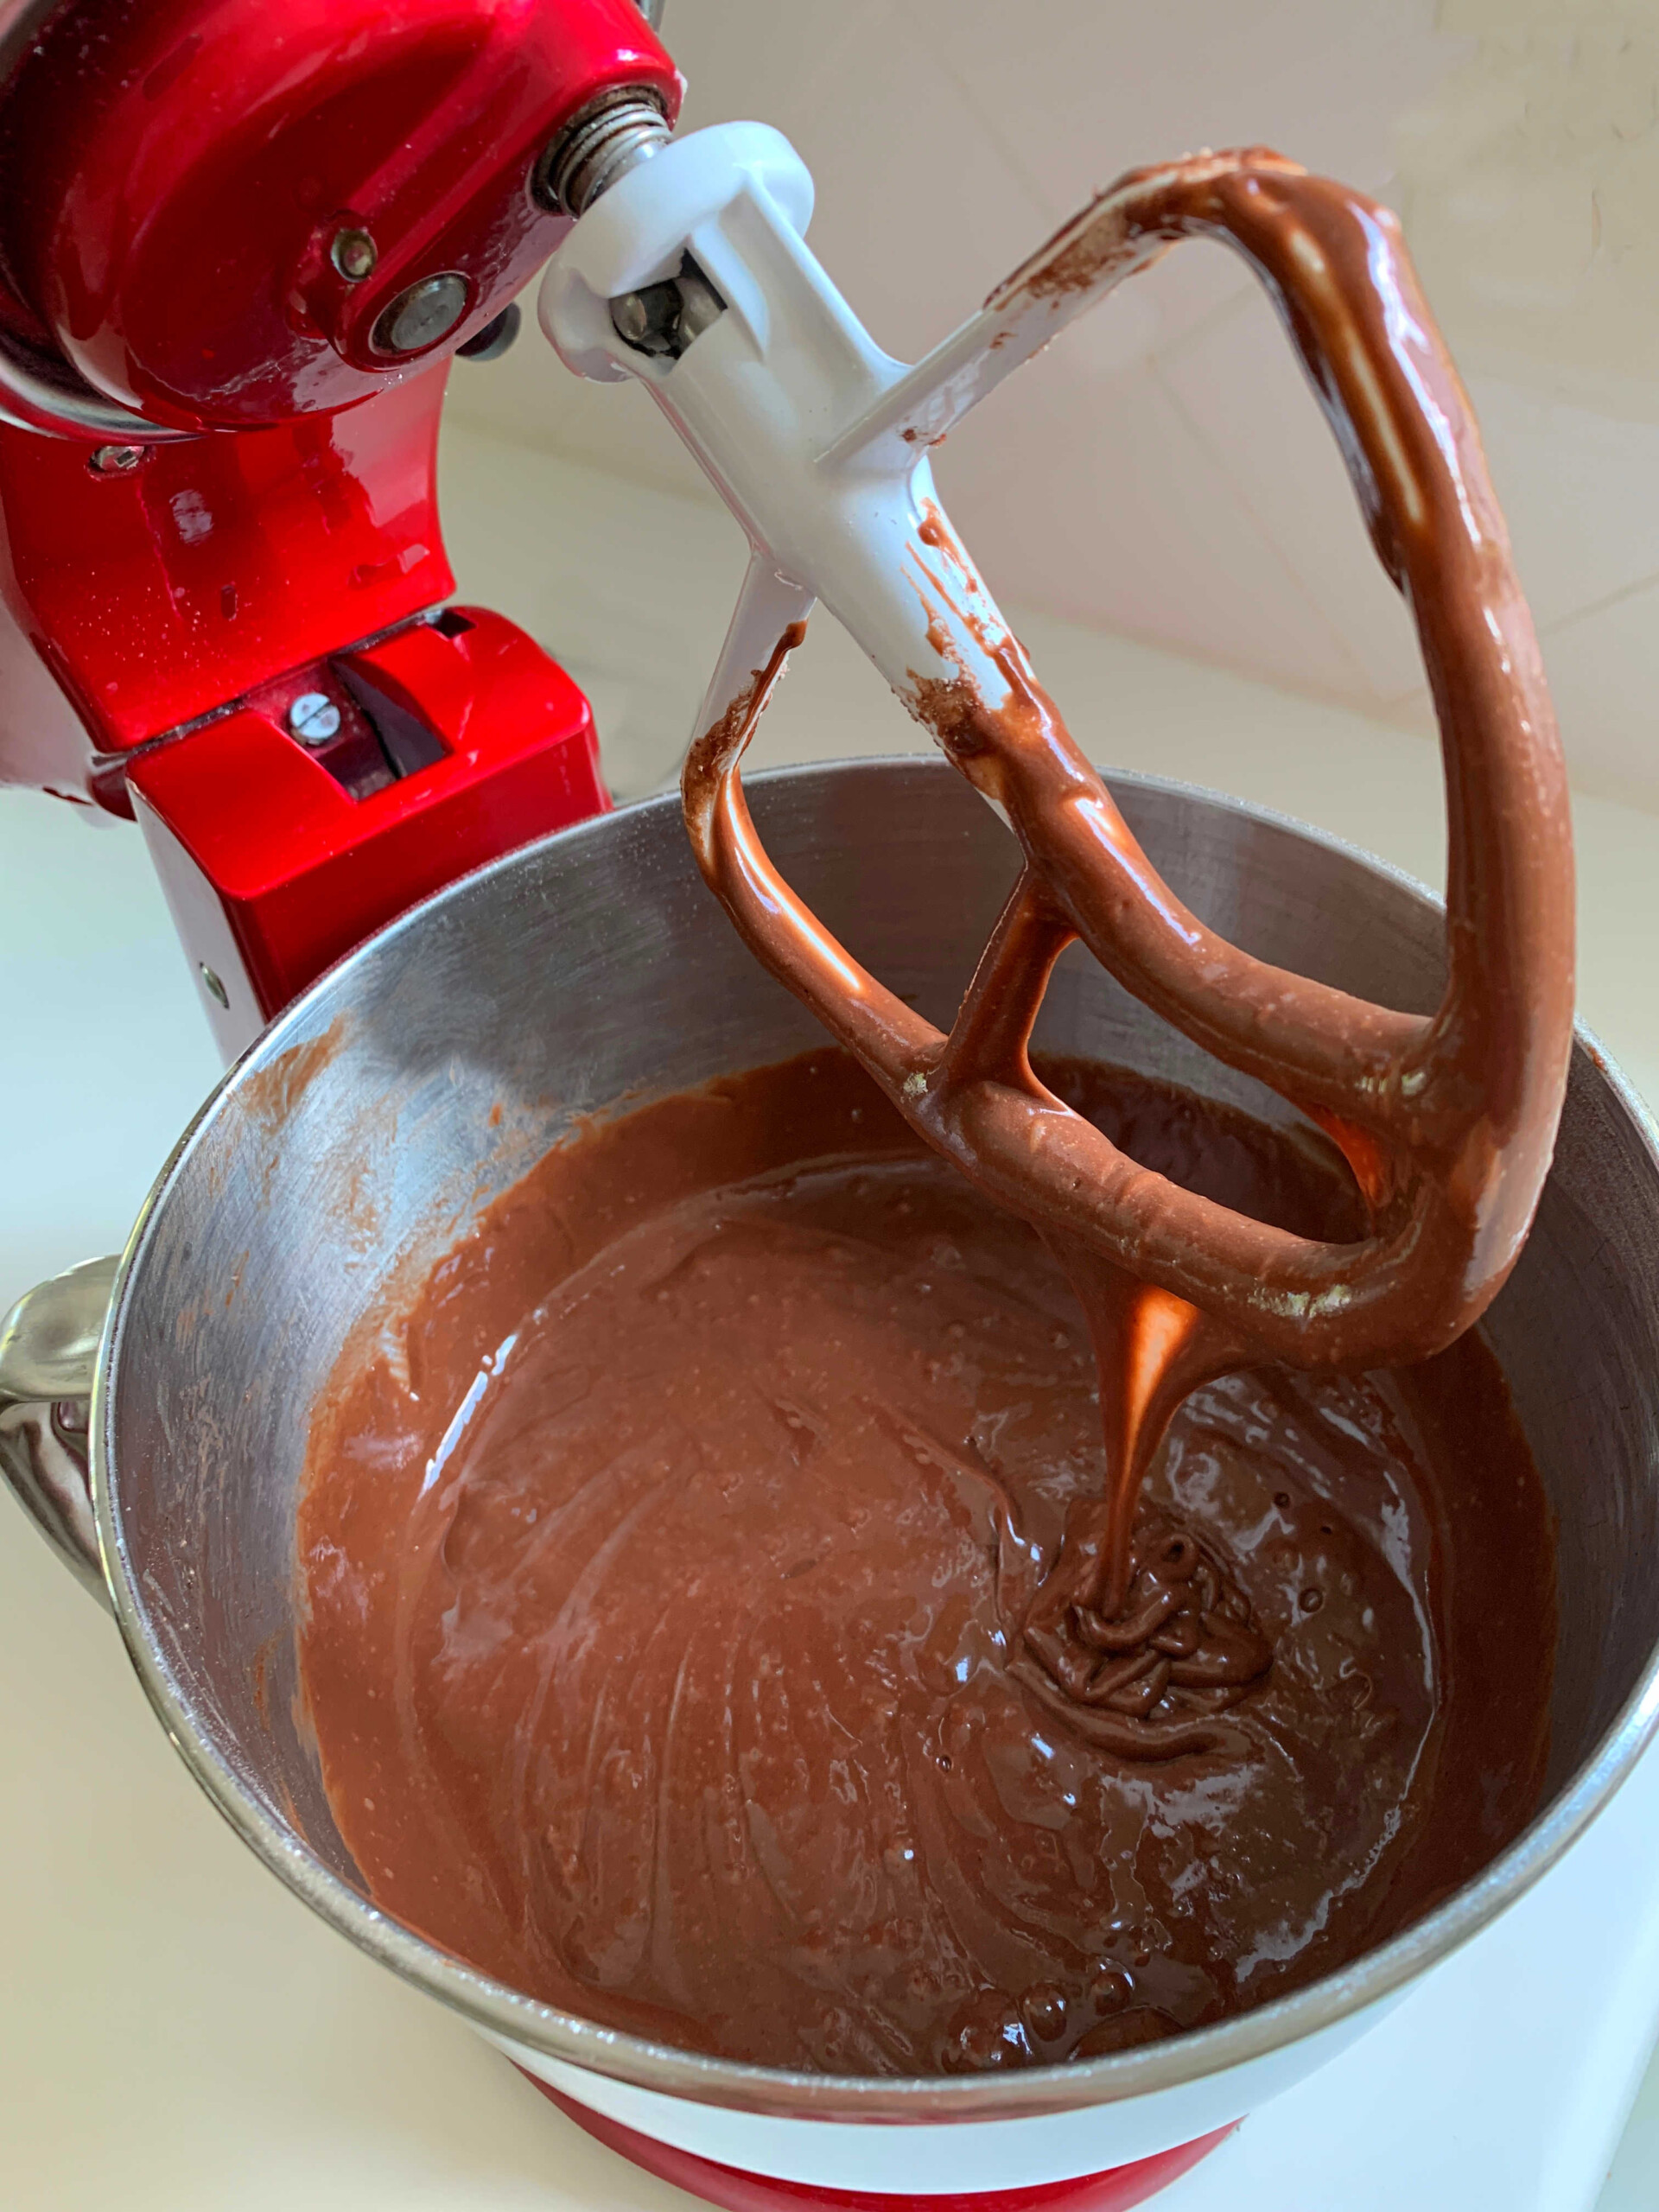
(355, 1141)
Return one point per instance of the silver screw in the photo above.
(354, 254)
(313, 718)
(421, 315)
(116, 461)
(649, 321)
(215, 989)
(664, 318)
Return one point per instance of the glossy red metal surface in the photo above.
(1116, 2191)
(173, 174)
(260, 847)
(160, 594)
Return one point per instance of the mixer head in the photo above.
(693, 275)
(223, 213)
(240, 242)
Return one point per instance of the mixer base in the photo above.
(1116, 2190)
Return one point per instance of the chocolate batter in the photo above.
(698, 1632)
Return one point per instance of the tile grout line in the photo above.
(1364, 700)
(1598, 606)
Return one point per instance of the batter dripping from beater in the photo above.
(1447, 1122)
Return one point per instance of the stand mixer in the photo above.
(240, 247)
(258, 664)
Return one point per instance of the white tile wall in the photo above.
(1243, 391)
(1581, 492)
(1604, 666)
(1084, 88)
(1162, 475)
(1152, 536)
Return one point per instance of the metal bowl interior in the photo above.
(354, 1143)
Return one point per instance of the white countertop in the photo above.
(177, 2033)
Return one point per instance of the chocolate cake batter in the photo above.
(699, 1632)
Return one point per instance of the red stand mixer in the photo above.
(240, 247)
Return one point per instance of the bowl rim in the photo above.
(506, 2013)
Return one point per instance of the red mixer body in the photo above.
(1119, 2188)
(174, 172)
(176, 177)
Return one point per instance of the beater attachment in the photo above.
(692, 274)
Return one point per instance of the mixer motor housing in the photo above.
(239, 245)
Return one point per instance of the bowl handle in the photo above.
(48, 1352)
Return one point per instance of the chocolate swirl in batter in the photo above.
(682, 1643)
